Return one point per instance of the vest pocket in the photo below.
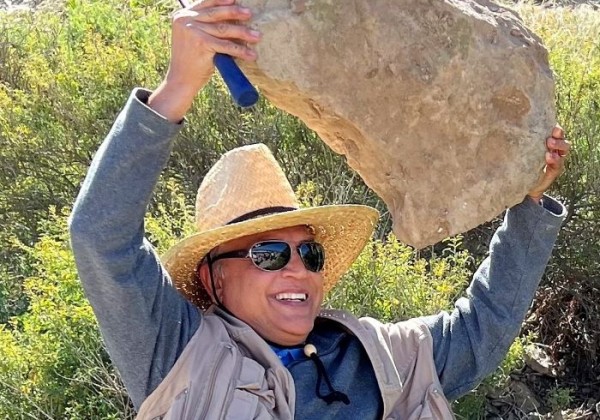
(251, 390)
(434, 406)
(177, 408)
(243, 406)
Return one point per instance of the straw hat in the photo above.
(245, 193)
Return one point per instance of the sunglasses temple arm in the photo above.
(210, 261)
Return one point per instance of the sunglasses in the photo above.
(275, 255)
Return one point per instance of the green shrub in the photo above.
(54, 364)
(559, 399)
(390, 282)
(63, 77)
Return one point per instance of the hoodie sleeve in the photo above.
(144, 321)
(471, 342)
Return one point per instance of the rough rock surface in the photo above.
(442, 107)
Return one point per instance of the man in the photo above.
(254, 344)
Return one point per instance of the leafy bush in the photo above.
(63, 77)
(390, 282)
(473, 405)
(559, 399)
(54, 364)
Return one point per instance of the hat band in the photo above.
(261, 212)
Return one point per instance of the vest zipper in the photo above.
(211, 382)
(230, 390)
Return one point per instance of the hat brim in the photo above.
(343, 230)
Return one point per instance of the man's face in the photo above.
(261, 298)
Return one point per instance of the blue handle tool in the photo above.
(242, 91)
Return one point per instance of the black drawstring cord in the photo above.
(311, 352)
(212, 284)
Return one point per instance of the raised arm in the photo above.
(470, 342)
(144, 321)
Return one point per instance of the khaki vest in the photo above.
(228, 372)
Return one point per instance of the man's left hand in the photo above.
(556, 153)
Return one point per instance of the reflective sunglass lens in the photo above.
(275, 255)
(270, 256)
(313, 256)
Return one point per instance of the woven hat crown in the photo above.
(243, 181)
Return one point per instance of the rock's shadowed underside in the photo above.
(442, 107)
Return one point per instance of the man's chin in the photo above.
(291, 335)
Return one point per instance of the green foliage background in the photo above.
(64, 75)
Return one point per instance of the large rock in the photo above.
(442, 107)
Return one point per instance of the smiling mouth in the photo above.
(291, 297)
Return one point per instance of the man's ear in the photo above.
(204, 276)
(203, 273)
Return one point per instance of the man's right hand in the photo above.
(198, 33)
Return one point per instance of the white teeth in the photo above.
(292, 296)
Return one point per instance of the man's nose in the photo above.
(295, 266)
